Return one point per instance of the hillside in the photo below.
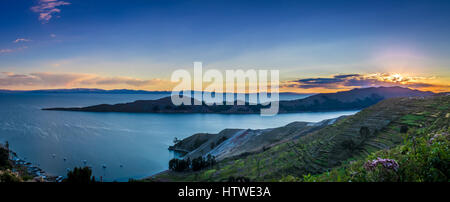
(233, 142)
(357, 98)
(346, 100)
(353, 138)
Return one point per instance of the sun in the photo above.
(397, 78)
(393, 77)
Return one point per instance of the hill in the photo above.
(234, 142)
(391, 127)
(347, 100)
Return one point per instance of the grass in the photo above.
(423, 158)
(412, 120)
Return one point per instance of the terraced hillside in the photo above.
(381, 126)
(233, 142)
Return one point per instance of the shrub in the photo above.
(80, 175)
(178, 164)
(238, 179)
(403, 129)
(196, 164)
(8, 177)
(382, 170)
(364, 132)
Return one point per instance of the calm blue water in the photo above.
(138, 142)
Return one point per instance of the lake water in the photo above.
(131, 145)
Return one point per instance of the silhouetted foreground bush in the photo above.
(238, 179)
(196, 164)
(80, 175)
(4, 158)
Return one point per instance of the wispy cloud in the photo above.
(6, 50)
(11, 50)
(47, 8)
(347, 81)
(21, 40)
(17, 48)
(66, 80)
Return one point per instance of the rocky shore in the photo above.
(27, 171)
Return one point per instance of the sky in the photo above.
(318, 46)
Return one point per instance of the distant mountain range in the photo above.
(347, 100)
(85, 90)
(114, 91)
(357, 98)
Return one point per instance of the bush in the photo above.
(382, 170)
(197, 164)
(201, 163)
(423, 158)
(178, 164)
(364, 132)
(238, 179)
(357, 143)
(8, 177)
(403, 129)
(80, 175)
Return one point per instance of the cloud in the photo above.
(347, 81)
(18, 48)
(12, 79)
(105, 81)
(21, 40)
(58, 80)
(6, 50)
(47, 8)
(9, 50)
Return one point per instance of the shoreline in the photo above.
(20, 166)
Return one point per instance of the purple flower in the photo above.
(390, 164)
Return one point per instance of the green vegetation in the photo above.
(179, 164)
(423, 158)
(412, 119)
(6, 175)
(410, 132)
(196, 164)
(80, 175)
(4, 158)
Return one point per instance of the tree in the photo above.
(9, 177)
(80, 175)
(350, 145)
(403, 129)
(176, 140)
(364, 132)
(238, 179)
(210, 160)
(198, 163)
(178, 164)
(4, 158)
